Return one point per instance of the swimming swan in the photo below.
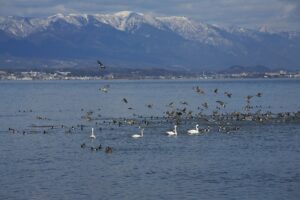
(194, 131)
(172, 133)
(138, 135)
(93, 136)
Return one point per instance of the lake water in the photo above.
(259, 161)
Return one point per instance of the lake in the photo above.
(43, 159)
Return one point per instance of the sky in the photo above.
(277, 15)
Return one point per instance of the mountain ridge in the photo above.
(135, 39)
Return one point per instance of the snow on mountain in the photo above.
(122, 21)
(194, 31)
(17, 26)
(130, 38)
(127, 20)
(74, 19)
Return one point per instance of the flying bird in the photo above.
(104, 88)
(184, 102)
(228, 94)
(259, 94)
(170, 104)
(125, 100)
(221, 103)
(101, 64)
(248, 98)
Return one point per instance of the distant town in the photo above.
(68, 75)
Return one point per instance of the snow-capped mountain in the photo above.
(131, 38)
(123, 21)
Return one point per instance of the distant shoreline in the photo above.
(148, 79)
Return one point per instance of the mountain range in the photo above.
(137, 40)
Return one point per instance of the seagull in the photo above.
(170, 104)
(138, 135)
(172, 133)
(184, 102)
(221, 103)
(104, 89)
(93, 136)
(100, 64)
(194, 131)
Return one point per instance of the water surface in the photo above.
(260, 161)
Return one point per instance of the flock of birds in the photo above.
(218, 120)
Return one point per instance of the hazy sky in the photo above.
(275, 14)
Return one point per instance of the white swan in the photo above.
(194, 131)
(138, 135)
(172, 133)
(93, 136)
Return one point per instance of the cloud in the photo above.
(292, 9)
(278, 14)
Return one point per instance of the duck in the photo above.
(193, 131)
(174, 132)
(98, 148)
(108, 149)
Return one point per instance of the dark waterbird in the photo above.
(205, 105)
(108, 149)
(99, 147)
(199, 90)
(149, 105)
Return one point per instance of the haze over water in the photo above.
(260, 161)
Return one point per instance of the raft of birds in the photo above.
(175, 116)
(189, 123)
